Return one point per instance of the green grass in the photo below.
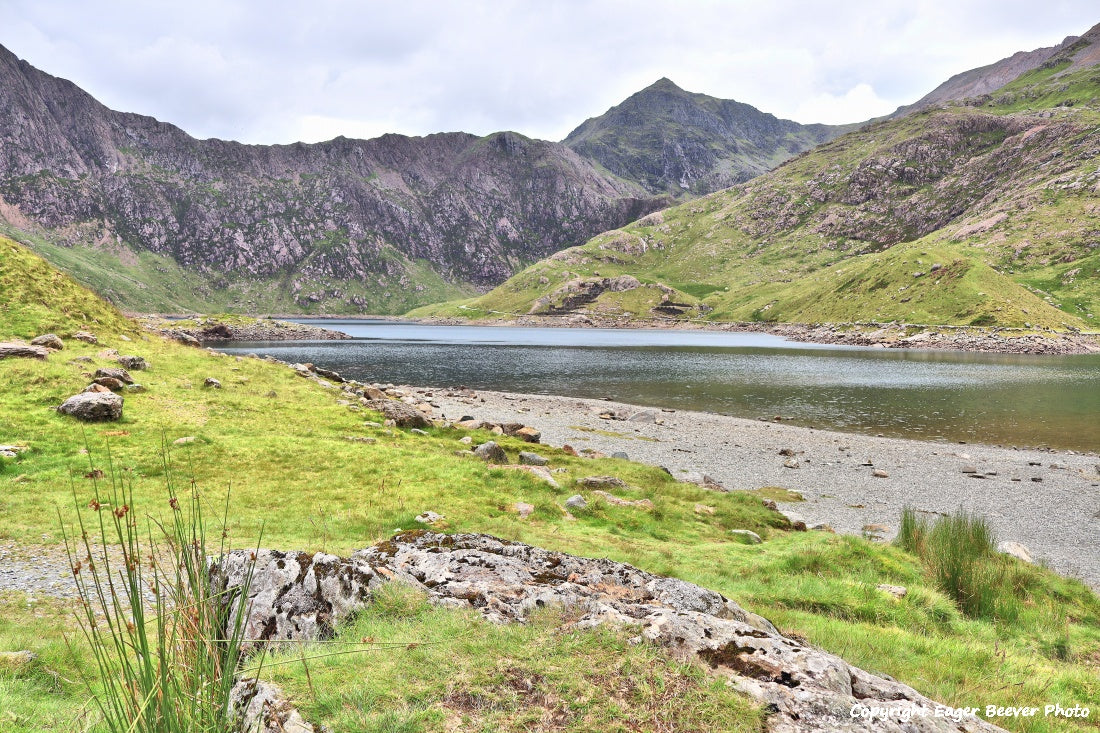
(280, 442)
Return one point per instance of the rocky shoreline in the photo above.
(881, 335)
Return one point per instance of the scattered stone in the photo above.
(86, 337)
(540, 472)
(14, 350)
(879, 473)
(418, 431)
(49, 340)
(1037, 479)
(135, 388)
(769, 504)
(16, 661)
(596, 482)
(821, 527)
(428, 517)
(491, 452)
(112, 373)
(791, 463)
(897, 591)
(93, 406)
(747, 536)
(643, 416)
(576, 501)
(569, 450)
(524, 510)
(110, 383)
(328, 374)
(263, 707)
(704, 509)
(360, 439)
(467, 440)
(786, 452)
(969, 469)
(532, 459)
(702, 480)
(372, 393)
(867, 463)
(212, 383)
(798, 524)
(135, 363)
(184, 441)
(621, 455)
(617, 501)
(403, 416)
(1015, 549)
(96, 387)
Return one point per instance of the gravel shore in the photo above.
(1047, 500)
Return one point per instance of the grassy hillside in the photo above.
(281, 442)
(1000, 195)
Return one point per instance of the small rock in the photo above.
(879, 473)
(418, 431)
(786, 451)
(16, 661)
(1037, 479)
(875, 529)
(212, 383)
(49, 340)
(791, 463)
(747, 536)
(643, 416)
(1015, 549)
(360, 439)
(14, 350)
(110, 383)
(569, 450)
(897, 591)
(617, 501)
(524, 510)
(93, 406)
(532, 459)
(704, 509)
(86, 337)
(969, 469)
(491, 452)
(576, 502)
(428, 517)
(133, 362)
(769, 504)
(96, 387)
(135, 387)
(620, 455)
(184, 440)
(467, 440)
(402, 415)
(528, 434)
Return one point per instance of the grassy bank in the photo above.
(282, 443)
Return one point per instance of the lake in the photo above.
(935, 395)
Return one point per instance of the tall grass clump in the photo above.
(959, 553)
(166, 642)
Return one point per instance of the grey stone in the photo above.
(576, 501)
(86, 337)
(897, 591)
(212, 383)
(403, 416)
(524, 510)
(93, 406)
(49, 340)
(602, 482)
(418, 431)
(620, 455)
(262, 707)
(491, 452)
(14, 350)
(1015, 549)
(136, 363)
(113, 373)
(747, 536)
(428, 517)
(532, 459)
(879, 473)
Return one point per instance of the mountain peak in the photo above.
(664, 84)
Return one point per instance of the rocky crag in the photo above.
(342, 223)
(302, 596)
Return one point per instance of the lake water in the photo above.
(991, 398)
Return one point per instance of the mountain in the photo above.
(686, 144)
(156, 219)
(981, 212)
(1072, 53)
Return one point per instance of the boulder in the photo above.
(49, 340)
(532, 459)
(211, 383)
(93, 406)
(112, 373)
(528, 434)
(1015, 549)
(15, 350)
(403, 416)
(491, 452)
(428, 518)
(86, 337)
(576, 501)
(97, 387)
(110, 383)
(746, 536)
(133, 362)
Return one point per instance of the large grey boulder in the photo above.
(405, 416)
(491, 452)
(16, 350)
(297, 595)
(93, 406)
(49, 340)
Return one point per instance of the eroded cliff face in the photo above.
(473, 209)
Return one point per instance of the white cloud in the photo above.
(856, 105)
(273, 71)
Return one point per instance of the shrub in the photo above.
(167, 644)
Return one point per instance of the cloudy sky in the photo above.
(276, 71)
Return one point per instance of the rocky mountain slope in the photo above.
(685, 144)
(155, 218)
(982, 213)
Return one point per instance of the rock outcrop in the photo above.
(93, 406)
(302, 596)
